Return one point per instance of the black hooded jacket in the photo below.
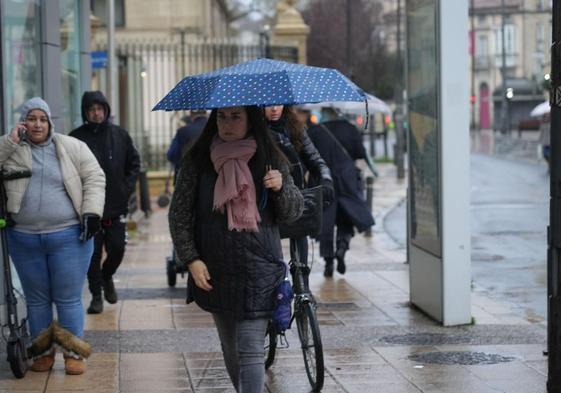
(308, 158)
(115, 152)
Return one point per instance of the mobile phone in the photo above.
(22, 134)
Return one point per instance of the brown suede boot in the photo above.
(43, 363)
(74, 366)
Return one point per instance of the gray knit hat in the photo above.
(36, 103)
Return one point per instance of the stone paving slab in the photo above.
(151, 341)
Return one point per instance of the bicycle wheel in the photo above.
(270, 346)
(308, 331)
(17, 357)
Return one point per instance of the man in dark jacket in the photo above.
(119, 159)
(186, 136)
(340, 144)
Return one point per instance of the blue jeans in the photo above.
(242, 346)
(52, 268)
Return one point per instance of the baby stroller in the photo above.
(172, 265)
(18, 339)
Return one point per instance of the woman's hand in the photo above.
(273, 179)
(17, 131)
(200, 274)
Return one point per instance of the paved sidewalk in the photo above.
(151, 341)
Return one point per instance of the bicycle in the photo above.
(306, 322)
(18, 339)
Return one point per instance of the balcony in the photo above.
(482, 62)
(511, 60)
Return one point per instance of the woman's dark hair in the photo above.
(294, 125)
(267, 151)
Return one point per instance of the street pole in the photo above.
(504, 101)
(398, 115)
(472, 98)
(349, 40)
(112, 81)
(554, 230)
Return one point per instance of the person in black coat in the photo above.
(233, 189)
(119, 159)
(186, 136)
(340, 144)
(294, 142)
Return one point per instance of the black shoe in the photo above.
(328, 271)
(109, 291)
(340, 255)
(96, 306)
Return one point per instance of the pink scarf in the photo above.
(234, 188)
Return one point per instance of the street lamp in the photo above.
(265, 41)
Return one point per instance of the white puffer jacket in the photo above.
(84, 179)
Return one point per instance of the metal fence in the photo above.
(148, 70)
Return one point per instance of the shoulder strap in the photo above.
(336, 141)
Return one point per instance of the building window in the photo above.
(540, 38)
(482, 60)
(99, 9)
(21, 55)
(510, 46)
(70, 37)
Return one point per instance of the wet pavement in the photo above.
(151, 341)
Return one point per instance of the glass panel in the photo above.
(422, 86)
(22, 58)
(70, 34)
(99, 9)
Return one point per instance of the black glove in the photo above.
(328, 192)
(91, 224)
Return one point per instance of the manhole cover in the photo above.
(425, 339)
(464, 358)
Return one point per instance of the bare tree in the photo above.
(344, 36)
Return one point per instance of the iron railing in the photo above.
(148, 70)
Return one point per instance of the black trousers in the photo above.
(113, 236)
(344, 234)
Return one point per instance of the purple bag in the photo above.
(282, 313)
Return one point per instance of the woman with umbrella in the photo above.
(232, 189)
(294, 142)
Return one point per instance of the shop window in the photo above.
(21, 55)
(70, 37)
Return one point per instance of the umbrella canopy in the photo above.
(541, 109)
(375, 105)
(263, 82)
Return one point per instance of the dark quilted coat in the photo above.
(244, 266)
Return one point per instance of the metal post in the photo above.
(472, 100)
(554, 230)
(369, 200)
(349, 40)
(372, 134)
(398, 115)
(112, 81)
(144, 192)
(504, 102)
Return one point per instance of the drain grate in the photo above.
(425, 339)
(464, 358)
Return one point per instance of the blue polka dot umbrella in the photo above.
(262, 82)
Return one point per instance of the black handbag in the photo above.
(309, 224)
